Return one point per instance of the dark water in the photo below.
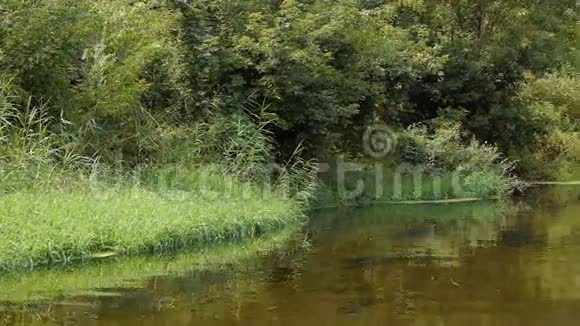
(460, 264)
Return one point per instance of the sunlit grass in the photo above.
(48, 227)
(134, 271)
(58, 207)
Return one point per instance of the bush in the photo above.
(443, 150)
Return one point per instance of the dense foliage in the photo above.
(135, 81)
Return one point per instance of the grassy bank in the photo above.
(134, 272)
(48, 227)
(204, 186)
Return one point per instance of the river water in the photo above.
(457, 264)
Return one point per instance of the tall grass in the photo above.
(56, 208)
(40, 228)
(239, 144)
(31, 154)
(134, 272)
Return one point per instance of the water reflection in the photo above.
(474, 264)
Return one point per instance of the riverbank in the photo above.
(448, 250)
(156, 213)
(134, 272)
(41, 228)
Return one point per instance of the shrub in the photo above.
(444, 150)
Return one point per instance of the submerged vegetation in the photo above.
(141, 126)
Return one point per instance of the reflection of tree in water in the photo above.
(552, 198)
(499, 265)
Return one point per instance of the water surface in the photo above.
(461, 264)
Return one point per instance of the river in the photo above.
(461, 264)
